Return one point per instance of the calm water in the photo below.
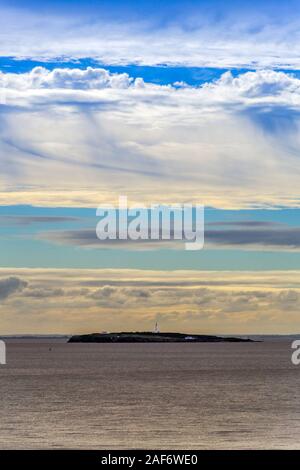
(150, 396)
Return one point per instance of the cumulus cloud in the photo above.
(11, 285)
(266, 87)
(42, 293)
(65, 78)
(263, 85)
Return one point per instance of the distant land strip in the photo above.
(149, 337)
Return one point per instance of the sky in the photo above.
(165, 102)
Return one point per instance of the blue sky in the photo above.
(162, 75)
(49, 237)
(230, 139)
(154, 74)
(165, 102)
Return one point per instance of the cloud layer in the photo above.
(64, 301)
(243, 235)
(200, 34)
(73, 136)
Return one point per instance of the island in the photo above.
(153, 337)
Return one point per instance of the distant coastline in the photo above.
(65, 338)
(150, 337)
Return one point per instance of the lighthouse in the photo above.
(156, 329)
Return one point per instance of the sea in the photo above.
(56, 395)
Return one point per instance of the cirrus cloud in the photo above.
(190, 34)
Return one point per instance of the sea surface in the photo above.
(129, 396)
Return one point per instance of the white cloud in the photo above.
(232, 142)
(250, 88)
(74, 79)
(197, 38)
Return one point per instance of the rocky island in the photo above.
(150, 337)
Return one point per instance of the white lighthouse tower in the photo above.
(156, 328)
